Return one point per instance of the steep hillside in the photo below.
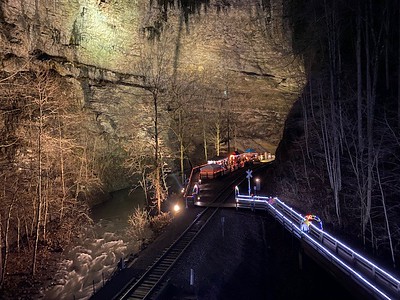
(339, 156)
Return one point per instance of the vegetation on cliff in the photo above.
(339, 156)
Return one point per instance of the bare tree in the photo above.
(139, 163)
(183, 95)
(156, 68)
(38, 120)
(45, 89)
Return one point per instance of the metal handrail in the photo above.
(361, 269)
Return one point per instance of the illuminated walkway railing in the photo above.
(368, 275)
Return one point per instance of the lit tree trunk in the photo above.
(158, 189)
(157, 179)
(64, 194)
(156, 66)
(32, 188)
(39, 190)
(6, 244)
(228, 120)
(217, 137)
(26, 230)
(1, 239)
(46, 199)
(18, 231)
(145, 190)
(181, 147)
(1, 254)
(205, 132)
(80, 174)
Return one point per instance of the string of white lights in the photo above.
(307, 237)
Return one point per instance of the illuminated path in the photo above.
(230, 270)
(373, 279)
(323, 247)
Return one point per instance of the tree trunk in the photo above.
(217, 138)
(39, 190)
(332, 126)
(371, 82)
(158, 189)
(205, 134)
(157, 179)
(64, 193)
(1, 254)
(6, 244)
(18, 232)
(359, 80)
(143, 184)
(369, 132)
(386, 217)
(181, 147)
(46, 200)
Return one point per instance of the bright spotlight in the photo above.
(177, 208)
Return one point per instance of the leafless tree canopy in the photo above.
(46, 166)
(340, 151)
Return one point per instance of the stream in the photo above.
(87, 266)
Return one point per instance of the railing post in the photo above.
(191, 277)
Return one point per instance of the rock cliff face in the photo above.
(242, 48)
(98, 33)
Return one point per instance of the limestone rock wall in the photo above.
(91, 32)
(244, 44)
(253, 54)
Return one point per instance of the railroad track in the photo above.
(151, 281)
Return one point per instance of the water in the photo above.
(87, 266)
(115, 212)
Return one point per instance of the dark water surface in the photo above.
(118, 208)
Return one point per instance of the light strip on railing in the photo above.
(333, 256)
(397, 282)
(337, 259)
(377, 268)
(364, 259)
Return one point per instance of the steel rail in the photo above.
(148, 283)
